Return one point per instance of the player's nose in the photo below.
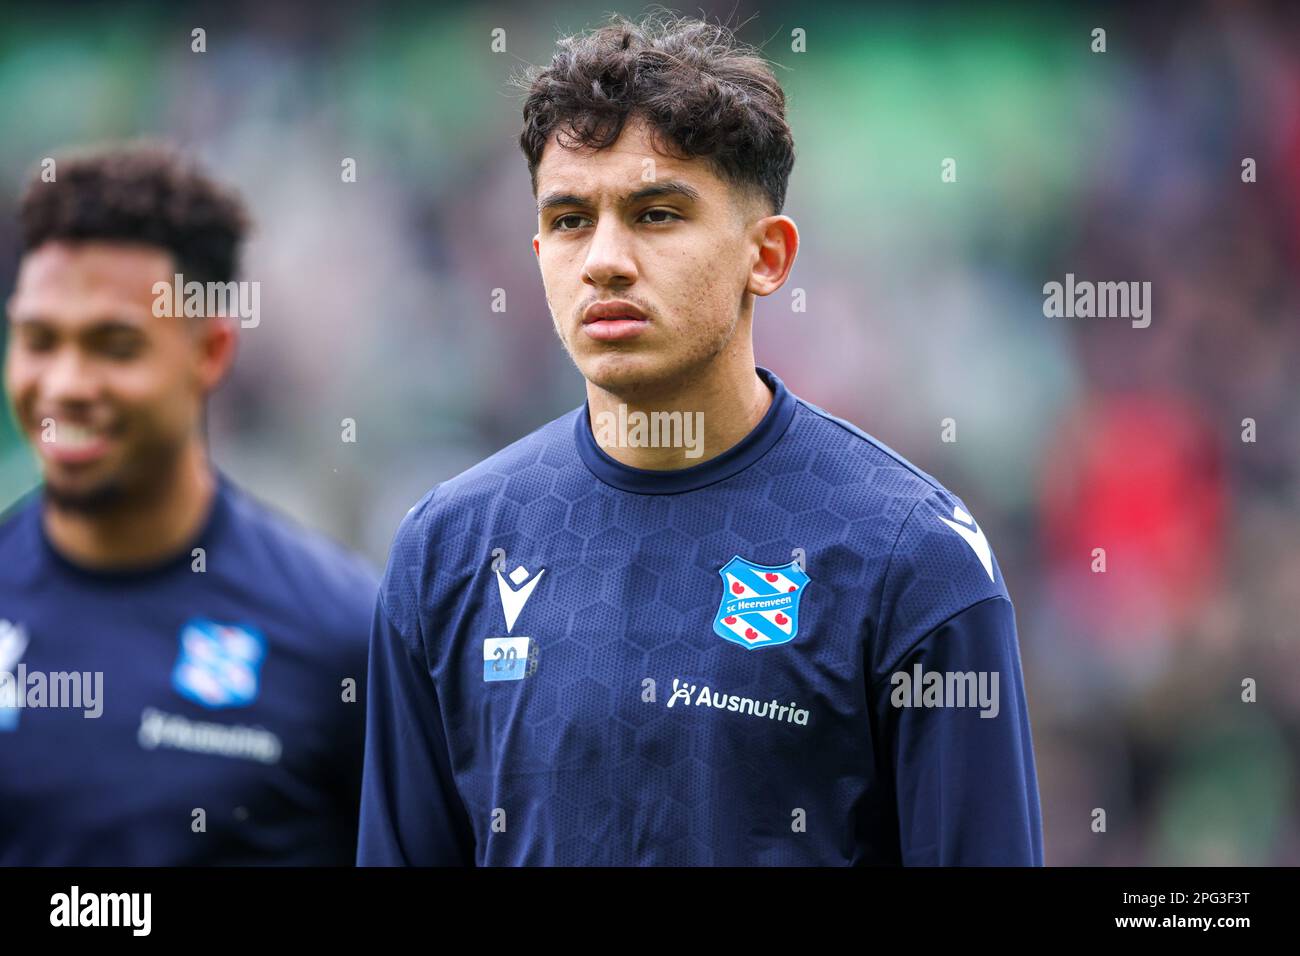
(609, 255)
(67, 379)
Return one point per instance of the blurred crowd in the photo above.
(1167, 455)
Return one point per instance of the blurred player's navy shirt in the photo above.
(222, 692)
(653, 674)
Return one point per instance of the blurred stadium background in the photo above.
(924, 302)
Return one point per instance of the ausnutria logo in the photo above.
(689, 696)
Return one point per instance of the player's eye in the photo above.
(660, 212)
(559, 228)
(35, 339)
(119, 345)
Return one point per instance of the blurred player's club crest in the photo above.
(760, 604)
(13, 641)
(218, 664)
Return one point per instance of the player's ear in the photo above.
(216, 339)
(776, 240)
(537, 245)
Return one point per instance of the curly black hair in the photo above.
(703, 92)
(138, 192)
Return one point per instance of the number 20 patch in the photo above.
(508, 658)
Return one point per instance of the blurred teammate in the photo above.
(755, 636)
(176, 653)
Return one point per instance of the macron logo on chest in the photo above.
(515, 593)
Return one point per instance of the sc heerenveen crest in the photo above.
(219, 664)
(760, 604)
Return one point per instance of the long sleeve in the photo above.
(964, 776)
(411, 813)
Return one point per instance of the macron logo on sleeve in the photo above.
(973, 536)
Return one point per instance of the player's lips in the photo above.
(72, 444)
(613, 321)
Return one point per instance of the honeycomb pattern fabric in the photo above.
(616, 722)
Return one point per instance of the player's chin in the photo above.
(83, 487)
(83, 494)
(624, 370)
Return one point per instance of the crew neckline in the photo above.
(218, 508)
(647, 481)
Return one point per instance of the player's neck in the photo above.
(145, 530)
(716, 411)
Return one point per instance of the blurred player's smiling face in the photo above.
(108, 393)
(631, 226)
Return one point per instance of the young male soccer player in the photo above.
(174, 654)
(619, 655)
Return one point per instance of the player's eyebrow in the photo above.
(670, 187)
(107, 323)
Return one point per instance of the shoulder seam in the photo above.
(388, 619)
(944, 623)
(418, 516)
(889, 565)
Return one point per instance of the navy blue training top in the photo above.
(801, 651)
(222, 732)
